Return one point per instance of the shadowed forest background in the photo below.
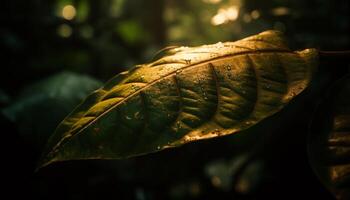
(58, 51)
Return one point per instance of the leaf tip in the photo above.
(44, 162)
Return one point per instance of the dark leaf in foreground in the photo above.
(191, 93)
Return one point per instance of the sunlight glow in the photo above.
(69, 12)
(225, 15)
(280, 11)
(255, 14)
(247, 18)
(216, 181)
(212, 1)
(64, 30)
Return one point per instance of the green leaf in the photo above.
(40, 106)
(329, 140)
(192, 93)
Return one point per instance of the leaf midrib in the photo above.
(61, 143)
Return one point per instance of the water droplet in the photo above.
(178, 125)
(188, 61)
(187, 139)
(228, 67)
(134, 87)
(248, 123)
(219, 45)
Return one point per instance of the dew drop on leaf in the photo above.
(219, 45)
(188, 61)
(248, 122)
(187, 139)
(178, 125)
(216, 130)
(134, 87)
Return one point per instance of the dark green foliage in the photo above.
(329, 140)
(39, 107)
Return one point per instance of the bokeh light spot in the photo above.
(280, 11)
(255, 14)
(64, 30)
(225, 15)
(69, 12)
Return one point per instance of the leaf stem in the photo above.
(342, 56)
(336, 63)
(335, 53)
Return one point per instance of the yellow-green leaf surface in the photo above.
(191, 93)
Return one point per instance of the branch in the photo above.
(331, 56)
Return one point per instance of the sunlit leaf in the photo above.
(193, 94)
(329, 140)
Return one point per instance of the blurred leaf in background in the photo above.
(41, 106)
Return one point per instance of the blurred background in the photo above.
(58, 51)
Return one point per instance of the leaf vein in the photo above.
(273, 50)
